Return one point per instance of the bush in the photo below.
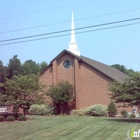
(75, 112)
(41, 109)
(21, 118)
(112, 110)
(132, 116)
(2, 119)
(82, 112)
(16, 115)
(10, 119)
(97, 110)
(124, 113)
(5, 114)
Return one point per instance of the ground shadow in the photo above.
(129, 120)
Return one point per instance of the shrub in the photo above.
(10, 119)
(5, 114)
(50, 110)
(21, 118)
(97, 110)
(41, 109)
(2, 119)
(132, 116)
(15, 109)
(124, 113)
(16, 115)
(75, 112)
(81, 112)
(112, 110)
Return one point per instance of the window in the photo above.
(67, 64)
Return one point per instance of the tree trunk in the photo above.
(61, 108)
(24, 111)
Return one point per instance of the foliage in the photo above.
(3, 72)
(14, 67)
(16, 115)
(42, 109)
(10, 119)
(128, 92)
(112, 109)
(98, 110)
(5, 114)
(124, 113)
(22, 118)
(42, 66)
(75, 112)
(30, 67)
(123, 69)
(61, 93)
(132, 116)
(15, 109)
(22, 91)
(2, 119)
(95, 110)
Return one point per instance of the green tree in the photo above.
(3, 75)
(30, 67)
(123, 69)
(14, 66)
(128, 92)
(3, 72)
(23, 91)
(61, 94)
(112, 109)
(42, 65)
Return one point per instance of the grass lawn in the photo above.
(68, 128)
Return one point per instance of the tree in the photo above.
(3, 72)
(14, 67)
(128, 92)
(61, 94)
(3, 75)
(42, 65)
(112, 110)
(23, 91)
(123, 69)
(30, 67)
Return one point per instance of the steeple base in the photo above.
(74, 48)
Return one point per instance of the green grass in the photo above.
(68, 128)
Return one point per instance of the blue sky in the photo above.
(112, 46)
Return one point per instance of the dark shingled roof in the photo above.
(109, 71)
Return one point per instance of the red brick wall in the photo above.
(47, 77)
(63, 73)
(90, 85)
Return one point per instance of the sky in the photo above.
(24, 18)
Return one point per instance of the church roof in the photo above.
(109, 71)
(106, 70)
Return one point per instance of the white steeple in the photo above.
(73, 47)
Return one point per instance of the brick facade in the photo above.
(90, 85)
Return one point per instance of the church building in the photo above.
(89, 77)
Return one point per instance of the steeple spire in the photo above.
(73, 47)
